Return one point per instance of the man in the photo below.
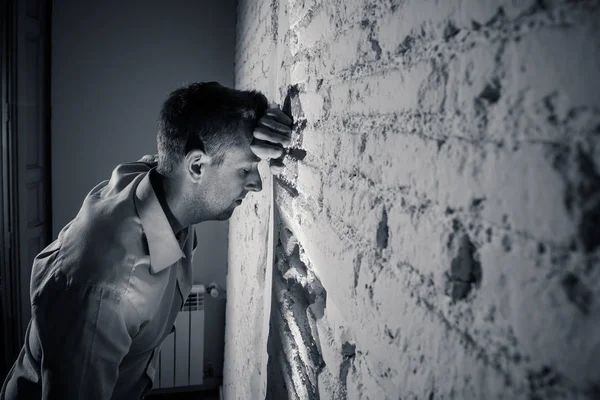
(106, 293)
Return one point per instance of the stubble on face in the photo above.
(224, 190)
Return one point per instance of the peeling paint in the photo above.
(441, 202)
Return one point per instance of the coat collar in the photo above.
(164, 247)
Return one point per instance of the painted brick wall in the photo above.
(439, 220)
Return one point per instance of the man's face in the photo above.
(226, 185)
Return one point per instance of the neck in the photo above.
(170, 200)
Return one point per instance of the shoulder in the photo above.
(100, 246)
(122, 176)
(103, 251)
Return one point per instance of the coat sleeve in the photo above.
(84, 334)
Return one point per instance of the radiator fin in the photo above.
(181, 361)
(194, 302)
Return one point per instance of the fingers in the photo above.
(149, 158)
(272, 134)
(276, 166)
(268, 135)
(275, 129)
(278, 115)
(272, 123)
(265, 149)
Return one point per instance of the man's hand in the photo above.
(272, 135)
(149, 158)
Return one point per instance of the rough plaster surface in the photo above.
(439, 220)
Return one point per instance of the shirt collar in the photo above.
(162, 243)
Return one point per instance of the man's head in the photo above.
(204, 136)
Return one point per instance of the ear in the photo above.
(195, 164)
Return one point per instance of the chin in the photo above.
(224, 216)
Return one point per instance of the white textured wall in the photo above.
(439, 222)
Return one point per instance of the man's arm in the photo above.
(84, 333)
(149, 159)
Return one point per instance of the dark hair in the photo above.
(206, 116)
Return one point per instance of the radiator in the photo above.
(181, 357)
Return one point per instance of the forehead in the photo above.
(241, 153)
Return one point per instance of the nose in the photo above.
(254, 182)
